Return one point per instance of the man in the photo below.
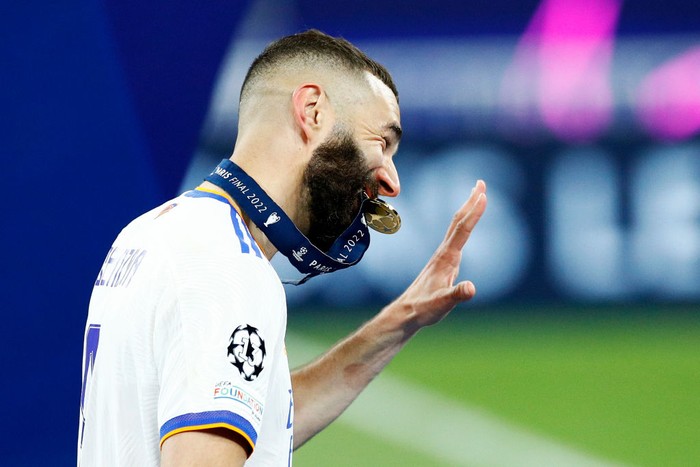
(185, 361)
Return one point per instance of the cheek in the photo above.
(372, 155)
(375, 151)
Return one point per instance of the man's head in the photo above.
(312, 49)
(337, 110)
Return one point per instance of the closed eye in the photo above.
(393, 132)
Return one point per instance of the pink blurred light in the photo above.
(668, 100)
(560, 74)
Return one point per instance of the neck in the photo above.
(280, 230)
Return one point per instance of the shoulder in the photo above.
(198, 233)
(196, 222)
(203, 234)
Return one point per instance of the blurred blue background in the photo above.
(583, 118)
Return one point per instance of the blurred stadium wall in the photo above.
(569, 117)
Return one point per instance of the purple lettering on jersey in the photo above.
(108, 260)
(92, 340)
(119, 267)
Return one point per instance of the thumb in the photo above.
(463, 291)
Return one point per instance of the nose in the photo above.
(388, 179)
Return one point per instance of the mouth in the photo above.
(362, 196)
(371, 188)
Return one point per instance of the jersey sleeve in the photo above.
(214, 341)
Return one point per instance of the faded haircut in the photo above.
(313, 47)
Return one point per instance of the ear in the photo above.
(310, 105)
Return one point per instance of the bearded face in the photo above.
(335, 178)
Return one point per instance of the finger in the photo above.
(479, 187)
(462, 228)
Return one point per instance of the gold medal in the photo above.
(381, 216)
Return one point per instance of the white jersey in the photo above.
(185, 331)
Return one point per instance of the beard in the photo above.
(336, 176)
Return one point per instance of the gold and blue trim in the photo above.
(208, 420)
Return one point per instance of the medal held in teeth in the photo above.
(381, 216)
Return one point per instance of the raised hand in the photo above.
(433, 294)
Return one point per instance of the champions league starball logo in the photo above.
(246, 351)
(381, 216)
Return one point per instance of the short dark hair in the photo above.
(314, 45)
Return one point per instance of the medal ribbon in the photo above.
(346, 251)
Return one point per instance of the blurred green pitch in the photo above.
(619, 384)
